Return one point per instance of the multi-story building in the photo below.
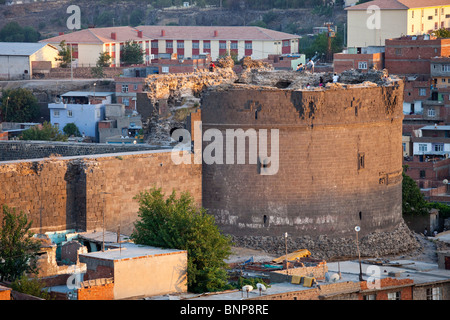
(87, 44)
(85, 109)
(371, 23)
(440, 71)
(411, 55)
(187, 42)
(362, 60)
(192, 41)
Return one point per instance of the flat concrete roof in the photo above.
(129, 250)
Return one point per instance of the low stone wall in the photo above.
(378, 244)
(19, 150)
(81, 73)
(87, 192)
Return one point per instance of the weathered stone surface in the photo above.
(374, 245)
(339, 164)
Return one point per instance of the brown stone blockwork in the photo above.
(319, 188)
(65, 193)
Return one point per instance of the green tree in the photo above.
(13, 32)
(18, 249)
(19, 105)
(32, 286)
(103, 61)
(179, 223)
(46, 132)
(442, 33)
(71, 129)
(320, 45)
(132, 53)
(413, 201)
(64, 55)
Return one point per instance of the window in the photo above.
(195, 45)
(126, 101)
(412, 28)
(398, 52)
(436, 12)
(286, 43)
(56, 125)
(248, 45)
(361, 161)
(423, 147)
(436, 26)
(135, 87)
(439, 147)
(155, 44)
(169, 44)
(180, 45)
(222, 45)
(362, 65)
(394, 295)
(165, 69)
(446, 68)
(434, 294)
(206, 45)
(431, 112)
(422, 174)
(422, 92)
(412, 14)
(70, 113)
(370, 297)
(233, 45)
(404, 146)
(124, 88)
(56, 113)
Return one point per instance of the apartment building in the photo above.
(187, 42)
(371, 23)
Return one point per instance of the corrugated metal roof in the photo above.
(20, 48)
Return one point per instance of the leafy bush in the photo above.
(179, 223)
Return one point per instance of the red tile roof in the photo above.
(400, 4)
(213, 33)
(98, 35)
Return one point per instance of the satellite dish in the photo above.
(357, 228)
(261, 287)
(247, 288)
(445, 181)
(334, 277)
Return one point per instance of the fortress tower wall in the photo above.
(340, 160)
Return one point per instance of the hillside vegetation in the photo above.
(292, 16)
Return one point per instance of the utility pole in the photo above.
(357, 229)
(285, 244)
(71, 61)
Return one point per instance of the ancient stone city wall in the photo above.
(66, 193)
(340, 161)
(19, 149)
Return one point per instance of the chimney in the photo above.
(216, 33)
(113, 36)
(163, 33)
(139, 34)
